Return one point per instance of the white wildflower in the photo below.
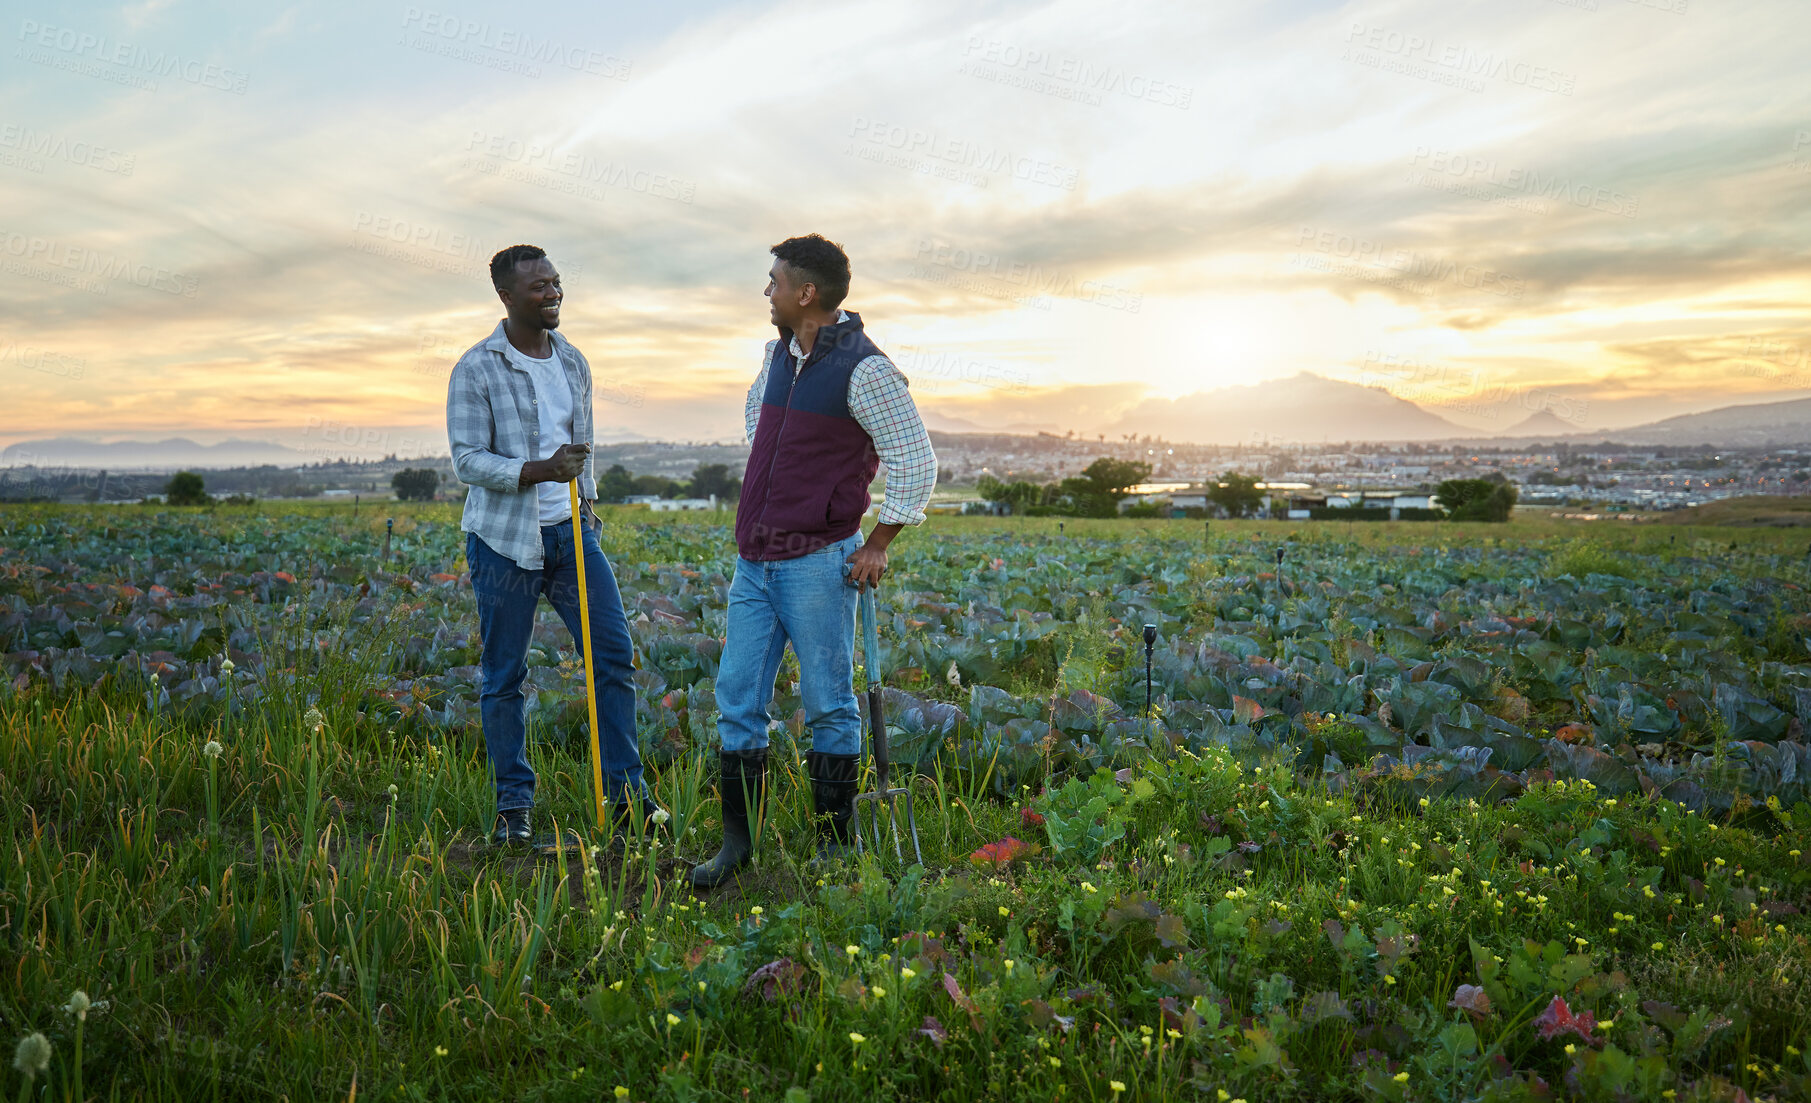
(33, 1056)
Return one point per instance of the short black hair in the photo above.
(503, 265)
(822, 262)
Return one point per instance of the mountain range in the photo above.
(1304, 408)
(1307, 408)
(172, 452)
(1757, 425)
(179, 452)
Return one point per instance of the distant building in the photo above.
(1301, 503)
(682, 505)
(1178, 497)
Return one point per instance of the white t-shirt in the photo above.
(553, 401)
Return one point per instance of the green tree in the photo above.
(1476, 499)
(1097, 490)
(1115, 477)
(714, 478)
(615, 484)
(415, 484)
(1020, 496)
(658, 485)
(1237, 493)
(186, 488)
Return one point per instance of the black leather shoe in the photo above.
(742, 780)
(833, 780)
(512, 829)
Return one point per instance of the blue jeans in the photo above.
(507, 599)
(809, 603)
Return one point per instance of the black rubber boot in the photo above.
(742, 781)
(833, 780)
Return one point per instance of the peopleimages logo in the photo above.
(946, 152)
(1410, 263)
(79, 51)
(1030, 277)
(1463, 389)
(43, 360)
(1486, 170)
(418, 235)
(1453, 59)
(1799, 143)
(1065, 77)
(40, 145)
(470, 34)
(567, 170)
(919, 364)
(1379, 365)
(62, 263)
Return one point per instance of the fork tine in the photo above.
(912, 822)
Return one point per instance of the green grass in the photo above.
(311, 915)
(1777, 511)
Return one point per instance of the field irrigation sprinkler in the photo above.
(389, 525)
(1150, 642)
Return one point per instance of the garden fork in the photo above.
(882, 797)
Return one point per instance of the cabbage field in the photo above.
(1415, 812)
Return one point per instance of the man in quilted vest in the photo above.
(826, 410)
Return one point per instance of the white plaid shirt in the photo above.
(882, 405)
(493, 425)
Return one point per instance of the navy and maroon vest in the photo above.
(809, 469)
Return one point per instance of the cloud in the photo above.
(144, 12)
(1021, 190)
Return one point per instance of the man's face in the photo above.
(787, 295)
(533, 297)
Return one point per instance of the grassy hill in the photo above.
(1770, 511)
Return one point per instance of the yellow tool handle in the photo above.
(578, 548)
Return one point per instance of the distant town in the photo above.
(1607, 476)
(1296, 478)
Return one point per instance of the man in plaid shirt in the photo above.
(826, 410)
(518, 417)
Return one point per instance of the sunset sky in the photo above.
(223, 220)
